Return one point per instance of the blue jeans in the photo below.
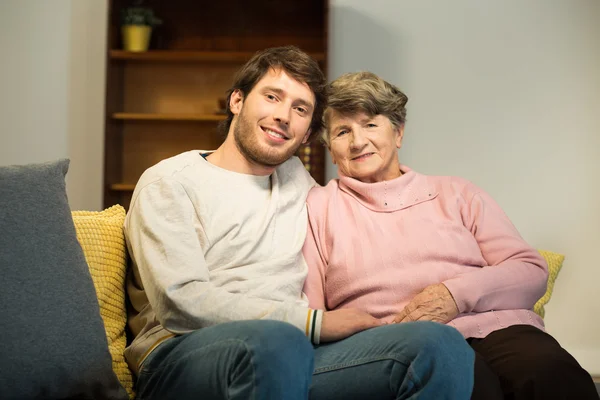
(240, 360)
(414, 360)
(274, 360)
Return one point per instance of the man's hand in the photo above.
(340, 324)
(434, 303)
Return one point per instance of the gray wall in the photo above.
(52, 77)
(506, 94)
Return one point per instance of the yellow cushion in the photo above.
(555, 262)
(100, 234)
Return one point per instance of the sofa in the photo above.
(63, 298)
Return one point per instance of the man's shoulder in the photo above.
(170, 171)
(171, 166)
(293, 171)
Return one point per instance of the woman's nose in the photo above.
(357, 139)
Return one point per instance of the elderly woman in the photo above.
(404, 246)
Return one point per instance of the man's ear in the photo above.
(236, 100)
(400, 136)
(306, 136)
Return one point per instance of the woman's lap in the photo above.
(531, 364)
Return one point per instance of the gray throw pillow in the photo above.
(52, 344)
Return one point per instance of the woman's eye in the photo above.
(301, 110)
(340, 133)
(271, 97)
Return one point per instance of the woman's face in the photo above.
(364, 147)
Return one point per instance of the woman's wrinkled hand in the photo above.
(435, 303)
(340, 324)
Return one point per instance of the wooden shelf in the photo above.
(168, 117)
(122, 187)
(166, 101)
(190, 56)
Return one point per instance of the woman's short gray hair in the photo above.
(365, 92)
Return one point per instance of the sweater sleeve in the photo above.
(516, 274)
(161, 231)
(314, 286)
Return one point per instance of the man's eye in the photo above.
(340, 133)
(301, 110)
(271, 97)
(371, 125)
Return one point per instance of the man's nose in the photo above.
(282, 113)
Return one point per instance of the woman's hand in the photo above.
(434, 303)
(339, 324)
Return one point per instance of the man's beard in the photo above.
(250, 148)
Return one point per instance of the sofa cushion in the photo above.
(555, 262)
(100, 234)
(53, 343)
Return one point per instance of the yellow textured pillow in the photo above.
(555, 262)
(100, 234)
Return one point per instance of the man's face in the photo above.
(273, 120)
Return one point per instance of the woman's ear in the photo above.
(236, 100)
(400, 135)
(331, 154)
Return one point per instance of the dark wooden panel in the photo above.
(239, 25)
(193, 57)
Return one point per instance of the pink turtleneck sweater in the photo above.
(374, 246)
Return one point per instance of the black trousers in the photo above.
(522, 362)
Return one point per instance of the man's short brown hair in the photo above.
(297, 64)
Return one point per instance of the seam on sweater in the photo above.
(314, 227)
(196, 212)
(530, 319)
(519, 318)
(184, 190)
(385, 194)
(158, 179)
(277, 204)
(498, 319)
(467, 185)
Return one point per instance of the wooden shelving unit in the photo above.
(190, 56)
(165, 101)
(122, 187)
(168, 117)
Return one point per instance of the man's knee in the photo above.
(279, 342)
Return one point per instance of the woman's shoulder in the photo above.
(451, 183)
(455, 187)
(323, 194)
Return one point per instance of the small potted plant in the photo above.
(137, 22)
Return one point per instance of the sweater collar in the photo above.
(405, 191)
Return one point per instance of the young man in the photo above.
(216, 241)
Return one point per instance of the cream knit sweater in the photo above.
(211, 246)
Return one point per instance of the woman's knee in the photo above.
(441, 344)
(435, 335)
